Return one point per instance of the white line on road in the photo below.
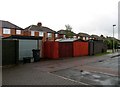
(70, 79)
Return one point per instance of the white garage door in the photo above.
(26, 47)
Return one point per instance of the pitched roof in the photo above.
(34, 28)
(47, 29)
(83, 34)
(97, 37)
(64, 32)
(7, 24)
(39, 28)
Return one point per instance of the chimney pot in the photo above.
(39, 24)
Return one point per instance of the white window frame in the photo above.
(87, 38)
(32, 33)
(18, 31)
(78, 37)
(74, 36)
(6, 31)
(41, 33)
(64, 36)
(83, 38)
(49, 35)
(56, 35)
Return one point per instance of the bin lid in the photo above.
(36, 50)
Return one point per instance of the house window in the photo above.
(6, 31)
(41, 34)
(56, 35)
(49, 34)
(78, 37)
(18, 31)
(83, 38)
(87, 38)
(74, 36)
(32, 33)
(63, 36)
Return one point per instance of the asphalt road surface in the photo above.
(88, 70)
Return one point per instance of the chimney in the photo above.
(39, 24)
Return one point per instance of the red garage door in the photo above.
(80, 49)
(65, 49)
(51, 50)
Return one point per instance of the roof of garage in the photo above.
(70, 40)
(23, 37)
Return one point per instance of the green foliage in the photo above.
(109, 42)
(101, 54)
(68, 27)
(69, 33)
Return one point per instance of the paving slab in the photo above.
(29, 76)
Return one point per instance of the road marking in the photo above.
(106, 73)
(71, 79)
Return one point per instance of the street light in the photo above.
(113, 37)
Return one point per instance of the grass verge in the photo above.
(100, 54)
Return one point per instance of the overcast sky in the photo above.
(88, 16)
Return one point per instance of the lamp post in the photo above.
(113, 37)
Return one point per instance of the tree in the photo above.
(109, 42)
(69, 33)
(68, 27)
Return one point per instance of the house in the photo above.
(62, 33)
(7, 29)
(66, 34)
(40, 31)
(56, 35)
(96, 37)
(84, 36)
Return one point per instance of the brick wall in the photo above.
(44, 37)
(27, 33)
(60, 35)
(12, 32)
(36, 33)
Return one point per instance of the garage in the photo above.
(9, 52)
(96, 47)
(26, 47)
(80, 48)
(26, 44)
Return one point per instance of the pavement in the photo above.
(87, 70)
